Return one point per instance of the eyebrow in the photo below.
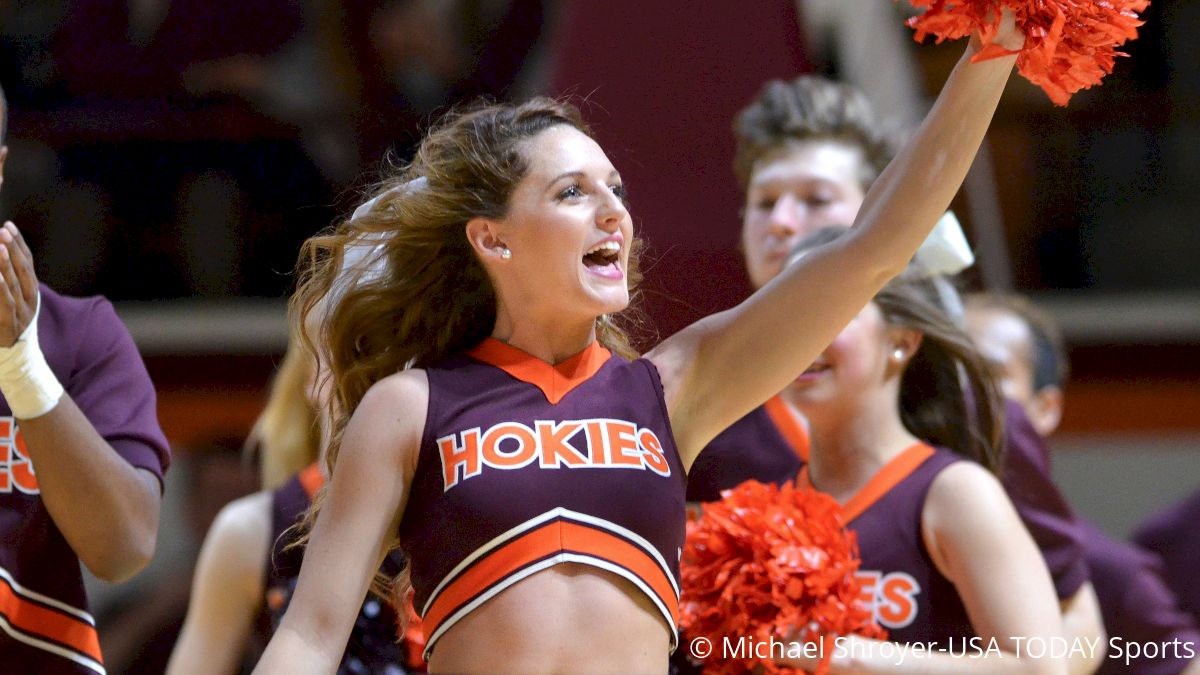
(578, 174)
(775, 181)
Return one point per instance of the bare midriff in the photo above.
(569, 618)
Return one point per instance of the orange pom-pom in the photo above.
(1069, 45)
(768, 562)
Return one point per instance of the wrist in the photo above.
(28, 384)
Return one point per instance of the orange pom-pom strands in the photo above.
(764, 564)
(1069, 44)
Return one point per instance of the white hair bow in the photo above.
(945, 250)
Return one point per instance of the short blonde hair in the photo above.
(286, 434)
(810, 108)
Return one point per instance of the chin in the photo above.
(809, 394)
(608, 300)
(763, 274)
(615, 306)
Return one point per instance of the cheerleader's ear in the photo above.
(1045, 409)
(904, 344)
(485, 237)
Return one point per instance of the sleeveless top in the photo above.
(524, 465)
(768, 445)
(901, 584)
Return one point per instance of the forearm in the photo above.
(106, 509)
(208, 654)
(918, 185)
(228, 589)
(900, 211)
(296, 652)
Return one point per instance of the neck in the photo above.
(552, 339)
(851, 446)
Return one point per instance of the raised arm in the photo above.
(227, 589)
(720, 368)
(361, 512)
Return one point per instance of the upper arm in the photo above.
(359, 515)
(723, 366)
(227, 588)
(977, 541)
(109, 382)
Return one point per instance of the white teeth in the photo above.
(604, 246)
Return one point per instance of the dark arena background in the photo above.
(173, 154)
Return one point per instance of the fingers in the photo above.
(1008, 34)
(10, 324)
(21, 298)
(24, 265)
(8, 272)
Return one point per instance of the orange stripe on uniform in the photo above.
(552, 538)
(47, 623)
(555, 381)
(897, 469)
(590, 541)
(311, 479)
(788, 424)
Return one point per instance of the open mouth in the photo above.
(604, 258)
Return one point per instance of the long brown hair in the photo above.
(420, 294)
(948, 396)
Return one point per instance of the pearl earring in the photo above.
(898, 354)
(506, 253)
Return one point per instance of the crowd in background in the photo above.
(190, 146)
(186, 148)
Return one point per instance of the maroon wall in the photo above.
(662, 83)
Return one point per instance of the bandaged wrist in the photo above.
(26, 381)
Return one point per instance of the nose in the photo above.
(785, 217)
(611, 213)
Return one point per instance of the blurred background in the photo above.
(173, 154)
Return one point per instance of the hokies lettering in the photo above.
(16, 471)
(892, 597)
(610, 444)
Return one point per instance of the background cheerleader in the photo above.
(945, 557)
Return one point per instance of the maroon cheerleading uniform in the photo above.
(45, 626)
(1174, 534)
(1055, 528)
(1138, 607)
(524, 465)
(768, 445)
(902, 586)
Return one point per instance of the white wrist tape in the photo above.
(26, 381)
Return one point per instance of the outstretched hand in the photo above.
(1002, 39)
(18, 285)
(1007, 34)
